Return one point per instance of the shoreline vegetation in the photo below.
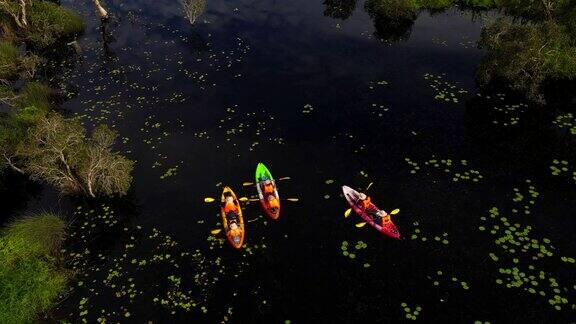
(32, 275)
(38, 142)
(533, 45)
(34, 139)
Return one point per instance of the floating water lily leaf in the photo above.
(208, 200)
(216, 231)
(292, 199)
(359, 225)
(347, 212)
(395, 211)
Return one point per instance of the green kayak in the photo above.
(267, 191)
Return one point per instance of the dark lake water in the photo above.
(327, 102)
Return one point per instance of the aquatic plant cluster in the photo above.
(510, 114)
(411, 314)
(515, 46)
(417, 233)
(561, 167)
(187, 278)
(566, 121)
(445, 91)
(521, 253)
(440, 275)
(351, 254)
(458, 169)
(145, 267)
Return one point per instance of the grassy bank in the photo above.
(30, 274)
(44, 24)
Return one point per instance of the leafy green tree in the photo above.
(102, 170)
(524, 55)
(59, 153)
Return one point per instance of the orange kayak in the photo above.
(232, 219)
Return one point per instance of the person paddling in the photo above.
(229, 205)
(273, 203)
(268, 187)
(366, 207)
(235, 232)
(365, 200)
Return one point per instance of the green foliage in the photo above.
(29, 107)
(33, 103)
(477, 4)
(434, 4)
(50, 22)
(526, 54)
(391, 9)
(39, 236)
(535, 9)
(102, 170)
(8, 60)
(30, 277)
(59, 153)
(11, 132)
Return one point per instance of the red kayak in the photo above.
(371, 213)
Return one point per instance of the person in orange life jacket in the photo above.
(269, 193)
(365, 201)
(273, 203)
(268, 187)
(229, 204)
(235, 232)
(366, 206)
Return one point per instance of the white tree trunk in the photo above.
(15, 168)
(23, 13)
(101, 11)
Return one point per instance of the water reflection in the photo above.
(107, 39)
(193, 9)
(339, 9)
(393, 20)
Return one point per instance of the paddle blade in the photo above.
(395, 211)
(216, 231)
(208, 200)
(292, 199)
(246, 184)
(369, 185)
(285, 178)
(347, 212)
(359, 225)
(243, 199)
